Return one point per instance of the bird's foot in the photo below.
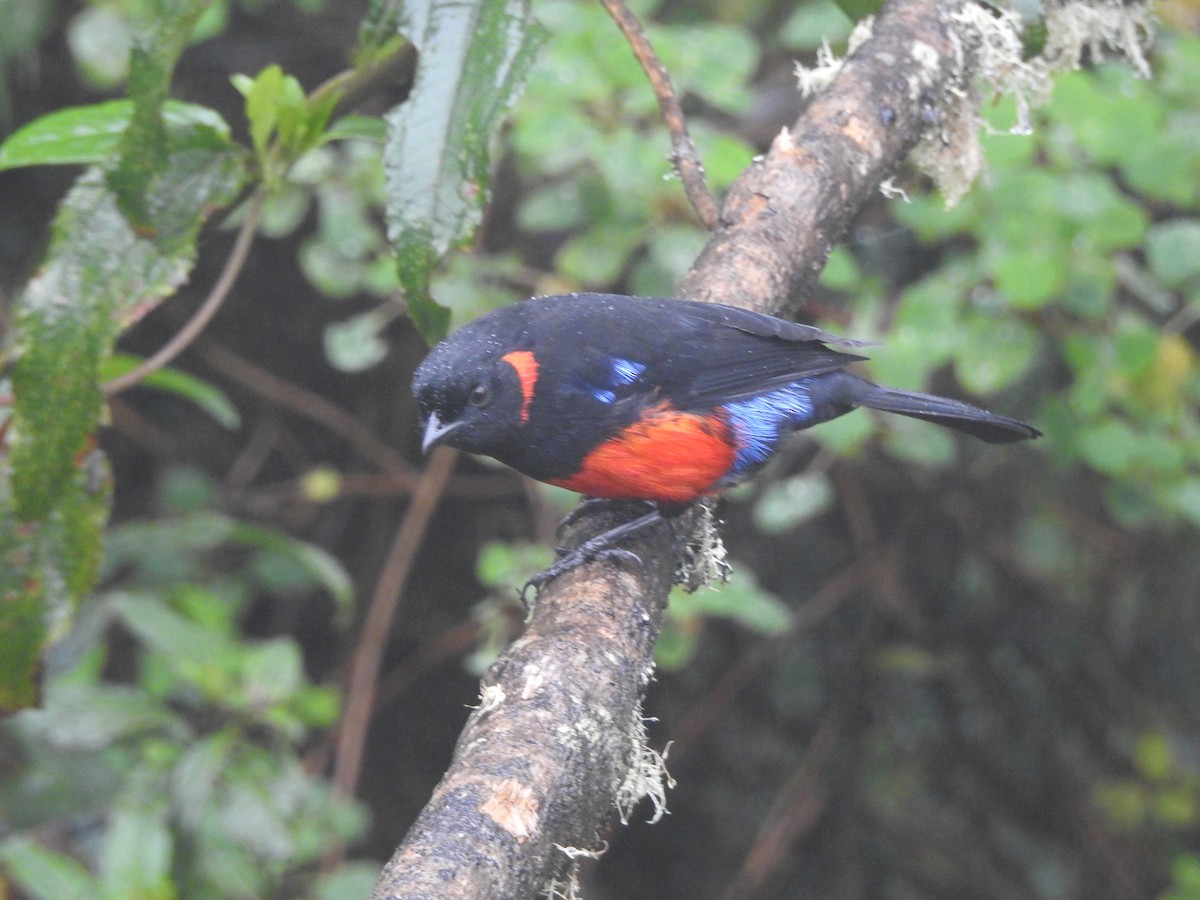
(599, 547)
(573, 559)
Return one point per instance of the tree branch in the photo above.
(557, 742)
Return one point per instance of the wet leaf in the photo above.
(84, 135)
(473, 60)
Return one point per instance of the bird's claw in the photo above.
(588, 551)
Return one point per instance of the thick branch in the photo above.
(542, 762)
(557, 734)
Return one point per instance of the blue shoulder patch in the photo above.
(759, 422)
(626, 371)
(621, 373)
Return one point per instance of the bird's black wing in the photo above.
(730, 354)
(696, 355)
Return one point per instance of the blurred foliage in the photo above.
(1003, 641)
(183, 779)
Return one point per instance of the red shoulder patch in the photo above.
(526, 365)
(668, 456)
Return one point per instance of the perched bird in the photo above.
(651, 399)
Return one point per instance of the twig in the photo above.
(683, 151)
(824, 602)
(190, 331)
(305, 402)
(797, 808)
(377, 626)
(452, 642)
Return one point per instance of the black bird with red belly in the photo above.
(651, 399)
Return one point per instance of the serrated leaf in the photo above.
(22, 612)
(99, 272)
(144, 150)
(83, 135)
(380, 26)
(473, 60)
(210, 399)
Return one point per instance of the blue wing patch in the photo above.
(620, 373)
(758, 422)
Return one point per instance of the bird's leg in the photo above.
(584, 506)
(599, 547)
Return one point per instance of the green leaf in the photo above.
(994, 352)
(793, 501)
(210, 399)
(86, 718)
(859, 9)
(713, 61)
(177, 637)
(136, 861)
(351, 879)
(91, 134)
(380, 26)
(1028, 277)
(262, 106)
(598, 255)
(1173, 251)
(360, 128)
(355, 344)
(1184, 498)
(277, 108)
(414, 262)
(743, 600)
(43, 874)
(501, 565)
(473, 60)
(917, 442)
(1153, 757)
(1109, 446)
(312, 563)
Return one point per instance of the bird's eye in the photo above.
(480, 395)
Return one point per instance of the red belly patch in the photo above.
(669, 456)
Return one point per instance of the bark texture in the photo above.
(785, 213)
(556, 740)
(557, 745)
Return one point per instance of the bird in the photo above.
(655, 399)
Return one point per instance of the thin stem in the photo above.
(683, 151)
(212, 303)
(377, 626)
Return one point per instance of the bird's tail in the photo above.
(987, 426)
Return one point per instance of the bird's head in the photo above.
(473, 390)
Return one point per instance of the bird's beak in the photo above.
(435, 431)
